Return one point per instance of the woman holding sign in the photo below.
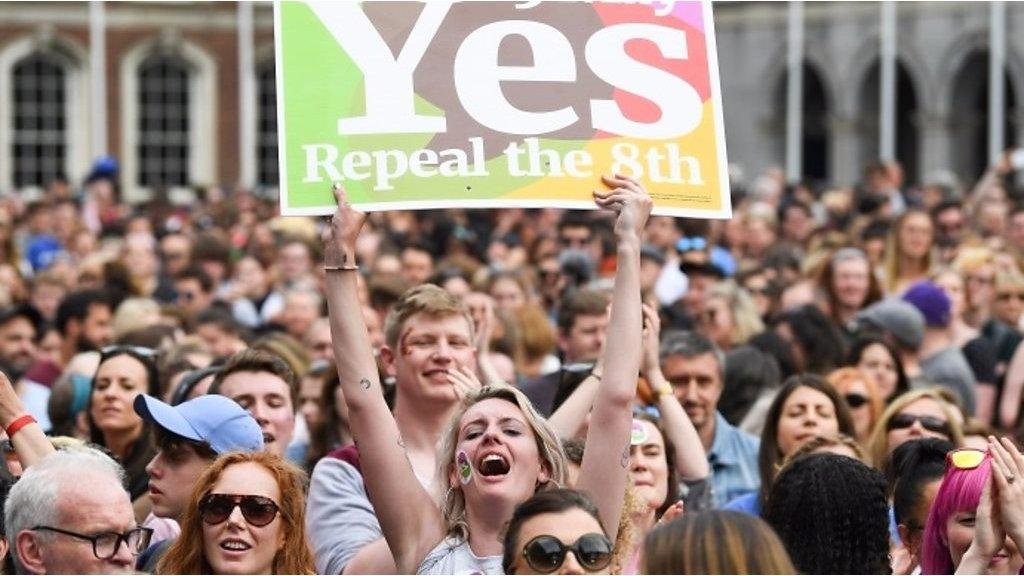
(498, 452)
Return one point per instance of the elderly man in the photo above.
(69, 514)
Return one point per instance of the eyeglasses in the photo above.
(545, 554)
(106, 545)
(855, 400)
(965, 458)
(1004, 296)
(257, 510)
(931, 423)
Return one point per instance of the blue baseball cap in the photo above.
(213, 419)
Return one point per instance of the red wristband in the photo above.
(19, 423)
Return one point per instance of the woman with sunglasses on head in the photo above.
(928, 413)
(246, 516)
(124, 372)
(556, 531)
(976, 525)
(805, 407)
(498, 452)
(728, 316)
(861, 397)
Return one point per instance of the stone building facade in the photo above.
(173, 116)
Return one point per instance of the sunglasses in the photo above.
(545, 554)
(257, 510)
(855, 400)
(965, 458)
(691, 244)
(137, 350)
(931, 423)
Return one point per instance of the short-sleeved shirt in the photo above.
(455, 557)
(733, 461)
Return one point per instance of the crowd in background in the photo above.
(830, 381)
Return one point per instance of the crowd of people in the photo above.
(828, 382)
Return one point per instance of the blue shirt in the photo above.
(748, 504)
(733, 461)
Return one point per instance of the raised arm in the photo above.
(691, 462)
(408, 515)
(1009, 404)
(29, 442)
(606, 457)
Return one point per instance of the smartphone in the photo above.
(1017, 159)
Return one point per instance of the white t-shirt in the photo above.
(453, 556)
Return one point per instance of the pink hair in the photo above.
(960, 492)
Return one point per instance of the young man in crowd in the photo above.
(189, 437)
(582, 326)
(84, 320)
(263, 384)
(427, 334)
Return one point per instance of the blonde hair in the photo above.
(969, 259)
(746, 322)
(878, 442)
(549, 448)
(134, 314)
(428, 299)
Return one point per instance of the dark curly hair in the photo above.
(831, 513)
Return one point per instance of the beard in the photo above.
(84, 344)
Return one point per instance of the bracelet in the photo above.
(341, 268)
(19, 423)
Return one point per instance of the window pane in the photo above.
(266, 126)
(39, 140)
(163, 144)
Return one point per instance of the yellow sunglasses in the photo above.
(965, 458)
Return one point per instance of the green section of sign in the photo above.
(321, 84)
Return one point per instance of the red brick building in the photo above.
(181, 93)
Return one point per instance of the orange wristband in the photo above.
(19, 423)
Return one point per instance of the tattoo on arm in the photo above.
(624, 461)
(365, 382)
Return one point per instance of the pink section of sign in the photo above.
(689, 12)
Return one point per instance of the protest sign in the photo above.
(498, 104)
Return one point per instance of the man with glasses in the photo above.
(69, 514)
(693, 366)
(189, 437)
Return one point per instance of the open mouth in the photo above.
(235, 545)
(493, 465)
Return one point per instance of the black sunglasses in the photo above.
(931, 423)
(545, 554)
(855, 400)
(257, 510)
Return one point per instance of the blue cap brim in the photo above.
(165, 416)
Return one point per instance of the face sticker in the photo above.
(638, 433)
(465, 468)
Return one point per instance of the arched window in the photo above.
(266, 126)
(39, 139)
(163, 121)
